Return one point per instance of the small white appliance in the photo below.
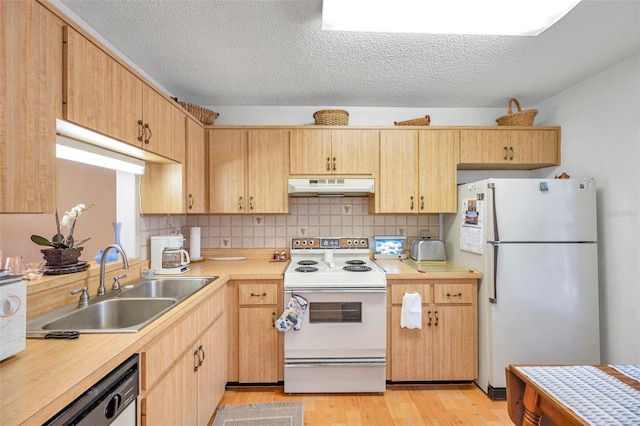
(168, 257)
(535, 242)
(390, 247)
(13, 315)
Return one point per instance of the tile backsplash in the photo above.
(344, 216)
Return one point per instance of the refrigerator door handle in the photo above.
(495, 245)
(496, 235)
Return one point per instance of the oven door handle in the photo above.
(336, 290)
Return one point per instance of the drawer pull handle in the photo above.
(273, 319)
(436, 315)
(454, 295)
(258, 295)
(429, 315)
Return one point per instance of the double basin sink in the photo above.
(120, 311)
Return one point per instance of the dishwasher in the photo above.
(111, 401)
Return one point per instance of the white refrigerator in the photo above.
(535, 242)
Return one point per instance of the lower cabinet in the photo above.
(257, 354)
(184, 372)
(446, 347)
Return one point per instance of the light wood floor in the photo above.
(399, 405)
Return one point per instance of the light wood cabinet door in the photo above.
(164, 125)
(310, 152)
(161, 189)
(194, 168)
(267, 166)
(411, 349)
(247, 171)
(355, 152)
(173, 400)
(205, 356)
(258, 344)
(100, 93)
(227, 168)
(438, 154)
(523, 148)
(31, 94)
(397, 186)
(319, 152)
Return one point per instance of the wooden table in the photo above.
(530, 404)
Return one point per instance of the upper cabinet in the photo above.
(417, 171)
(103, 95)
(344, 152)
(523, 148)
(99, 93)
(195, 168)
(30, 91)
(248, 170)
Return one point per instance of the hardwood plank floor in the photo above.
(406, 405)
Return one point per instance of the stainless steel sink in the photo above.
(177, 287)
(112, 314)
(120, 311)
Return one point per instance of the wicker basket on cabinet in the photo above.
(519, 118)
(422, 121)
(331, 117)
(203, 115)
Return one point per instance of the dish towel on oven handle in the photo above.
(293, 314)
(411, 313)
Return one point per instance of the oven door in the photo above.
(339, 323)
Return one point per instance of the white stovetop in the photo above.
(332, 274)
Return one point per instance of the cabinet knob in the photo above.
(191, 201)
(429, 316)
(506, 153)
(334, 164)
(250, 203)
(422, 202)
(512, 153)
(411, 208)
(328, 164)
(240, 207)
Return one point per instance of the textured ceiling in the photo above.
(274, 52)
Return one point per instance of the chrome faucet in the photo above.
(125, 265)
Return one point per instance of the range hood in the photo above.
(331, 187)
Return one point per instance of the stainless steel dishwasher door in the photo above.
(111, 401)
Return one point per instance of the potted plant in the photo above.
(64, 250)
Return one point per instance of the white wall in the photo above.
(600, 119)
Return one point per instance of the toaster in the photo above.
(428, 250)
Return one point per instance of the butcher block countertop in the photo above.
(49, 374)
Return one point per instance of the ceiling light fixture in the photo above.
(82, 152)
(484, 17)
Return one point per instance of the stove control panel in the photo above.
(330, 243)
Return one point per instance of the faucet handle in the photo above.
(116, 281)
(84, 297)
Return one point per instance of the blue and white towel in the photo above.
(293, 314)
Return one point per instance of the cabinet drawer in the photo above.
(398, 291)
(258, 294)
(454, 293)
